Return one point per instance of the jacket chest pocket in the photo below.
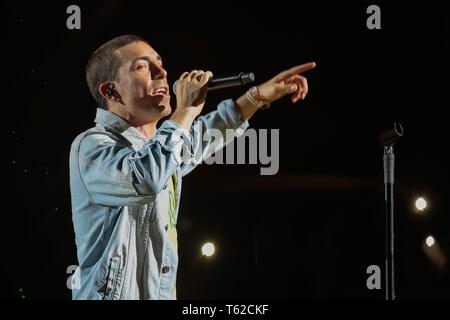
(111, 280)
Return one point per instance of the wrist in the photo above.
(184, 117)
(254, 98)
(245, 108)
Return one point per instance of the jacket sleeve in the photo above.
(211, 132)
(115, 174)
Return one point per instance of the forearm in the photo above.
(184, 118)
(245, 107)
(221, 126)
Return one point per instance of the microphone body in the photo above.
(225, 82)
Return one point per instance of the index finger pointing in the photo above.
(295, 70)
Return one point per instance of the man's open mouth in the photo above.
(161, 91)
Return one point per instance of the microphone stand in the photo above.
(388, 138)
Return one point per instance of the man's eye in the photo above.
(142, 66)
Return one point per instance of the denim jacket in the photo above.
(118, 183)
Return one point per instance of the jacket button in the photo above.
(165, 269)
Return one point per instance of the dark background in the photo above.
(308, 232)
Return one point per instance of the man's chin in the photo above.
(158, 109)
(164, 108)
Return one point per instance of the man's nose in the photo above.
(159, 72)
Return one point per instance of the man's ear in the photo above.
(107, 90)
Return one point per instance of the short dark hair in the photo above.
(103, 65)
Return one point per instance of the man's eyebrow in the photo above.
(147, 58)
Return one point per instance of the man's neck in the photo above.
(148, 129)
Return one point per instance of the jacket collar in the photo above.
(109, 119)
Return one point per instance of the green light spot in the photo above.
(14, 132)
(32, 70)
(13, 162)
(23, 297)
(20, 289)
(46, 172)
(56, 209)
(26, 170)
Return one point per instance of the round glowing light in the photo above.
(208, 249)
(430, 241)
(421, 204)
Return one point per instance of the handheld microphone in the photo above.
(225, 82)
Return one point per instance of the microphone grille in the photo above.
(174, 87)
(247, 77)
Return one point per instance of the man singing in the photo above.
(125, 173)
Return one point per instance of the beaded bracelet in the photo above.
(255, 99)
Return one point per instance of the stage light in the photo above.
(430, 241)
(434, 252)
(421, 204)
(208, 249)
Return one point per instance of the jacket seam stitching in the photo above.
(126, 271)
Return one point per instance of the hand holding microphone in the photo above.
(191, 92)
(191, 88)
